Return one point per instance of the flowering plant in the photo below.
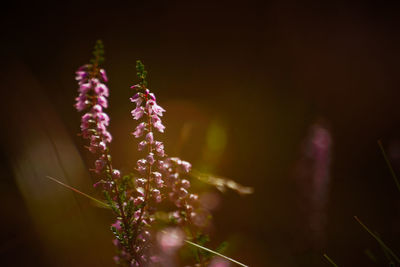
(154, 208)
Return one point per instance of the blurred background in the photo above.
(287, 97)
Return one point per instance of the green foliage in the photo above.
(111, 203)
(98, 53)
(222, 247)
(141, 73)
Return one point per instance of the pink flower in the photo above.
(139, 130)
(117, 225)
(99, 164)
(103, 118)
(101, 89)
(185, 183)
(81, 103)
(186, 166)
(81, 75)
(103, 75)
(150, 158)
(142, 145)
(141, 163)
(137, 99)
(115, 174)
(102, 101)
(138, 201)
(84, 88)
(137, 113)
(149, 137)
(97, 109)
(159, 146)
(170, 239)
(152, 107)
(157, 123)
(219, 262)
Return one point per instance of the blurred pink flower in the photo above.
(170, 239)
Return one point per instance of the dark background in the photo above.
(264, 72)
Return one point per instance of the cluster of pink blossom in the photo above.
(135, 199)
(174, 171)
(92, 97)
(149, 184)
(160, 176)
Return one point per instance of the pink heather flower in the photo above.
(141, 163)
(103, 75)
(107, 137)
(139, 130)
(102, 101)
(115, 174)
(92, 96)
(152, 96)
(158, 199)
(87, 117)
(137, 214)
(116, 242)
(84, 88)
(102, 146)
(140, 182)
(150, 158)
(219, 262)
(156, 175)
(84, 125)
(139, 200)
(183, 192)
(137, 113)
(159, 183)
(149, 137)
(142, 169)
(159, 148)
(81, 103)
(185, 183)
(81, 75)
(101, 89)
(170, 239)
(142, 145)
(193, 198)
(155, 192)
(140, 191)
(97, 108)
(137, 99)
(186, 166)
(103, 118)
(99, 164)
(153, 108)
(117, 225)
(157, 123)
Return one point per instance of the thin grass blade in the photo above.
(330, 260)
(378, 239)
(101, 203)
(107, 206)
(396, 180)
(216, 253)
